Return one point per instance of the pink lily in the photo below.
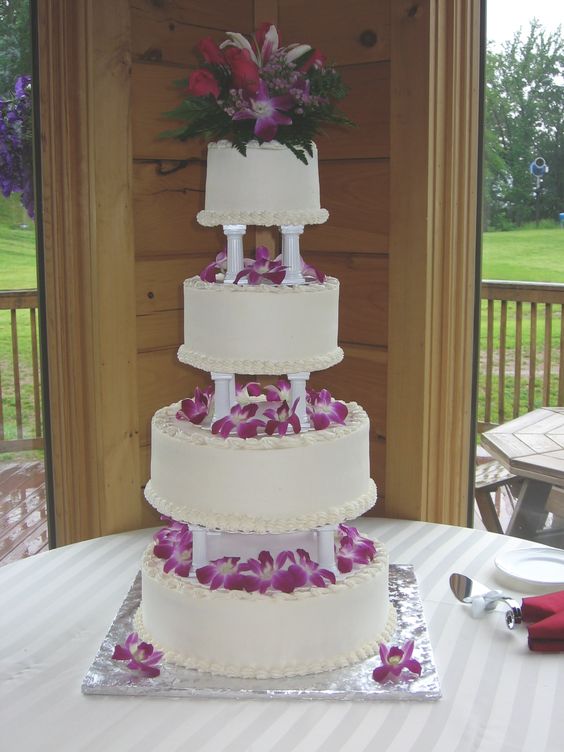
(394, 661)
(324, 410)
(241, 418)
(222, 572)
(141, 656)
(266, 110)
(262, 270)
(279, 420)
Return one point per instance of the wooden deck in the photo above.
(23, 512)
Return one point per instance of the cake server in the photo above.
(482, 598)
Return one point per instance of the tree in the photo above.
(524, 114)
(15, 43)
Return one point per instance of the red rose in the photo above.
(210, 51)
(316, 59)
(202, 82)
(244, 71)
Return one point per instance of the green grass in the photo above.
(17, 271)
(526, 255)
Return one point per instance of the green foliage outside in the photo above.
(524, 112)
(15, 43)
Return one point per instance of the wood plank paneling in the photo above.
(164, 211)
(184, 14)
(336, 28)
(367, 104)
(167, 42)
(160, 329)
(159, 281)
(363, 294)
(356, 194)
(162, 381)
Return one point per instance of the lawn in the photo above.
(527, 255)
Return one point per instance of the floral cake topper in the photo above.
(258, 90)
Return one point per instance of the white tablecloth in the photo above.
(55, 610)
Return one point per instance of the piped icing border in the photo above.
(212, 218)
(244, 523)
(330, 283)
(189, 589)
(267, 367)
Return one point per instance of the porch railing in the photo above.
(20, 392)
(521, 349)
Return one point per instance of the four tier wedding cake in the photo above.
(256, 572)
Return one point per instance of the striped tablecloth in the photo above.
(55, 610)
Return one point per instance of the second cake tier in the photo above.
(270, 484)
(262, 329)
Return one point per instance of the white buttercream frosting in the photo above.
(270, 635)
(262, 329)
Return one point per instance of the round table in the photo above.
(56, 608)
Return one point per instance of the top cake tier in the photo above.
(270, 186)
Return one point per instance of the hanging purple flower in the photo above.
(142, 656)
(219, 266)
(308, 572)
(266, 110)
(245, 391)
(16, 145)
(264, 573)
(324, 410)
(279, 392)
(394, 661)
(177, 552)
(197, 408)
(281, 418)
(241, 418)
(262, 270)
(224, 572)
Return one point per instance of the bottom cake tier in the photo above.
(261, 635)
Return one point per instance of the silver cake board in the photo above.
(109, 677)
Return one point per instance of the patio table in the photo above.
(532, 446)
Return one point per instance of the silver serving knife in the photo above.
(467, 590)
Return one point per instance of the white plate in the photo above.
(533, 566)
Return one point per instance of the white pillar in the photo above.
(199, 547)
(234, 235)
(224, 394)
(298, 389)
(291, 254)
(326, 547)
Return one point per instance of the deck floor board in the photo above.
(23, 510)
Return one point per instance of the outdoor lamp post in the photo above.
(538, 169)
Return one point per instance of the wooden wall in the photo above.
(354, 176)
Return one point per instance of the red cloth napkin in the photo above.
(545, 616)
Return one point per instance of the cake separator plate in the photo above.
(109, 677)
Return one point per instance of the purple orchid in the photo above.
(171, 532)
(308, 572)
(177, 552)
(279, 392)
(347, 531)
(324, 410)
(224, 572)
(266, 110)
(196, 409)
(262, 269)
(241, 418)
(264, 573)
(281, 418)
(394, 661)
(245, 391)
(350, 553)
(142, 656)
(219, 266)
(311, 274)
